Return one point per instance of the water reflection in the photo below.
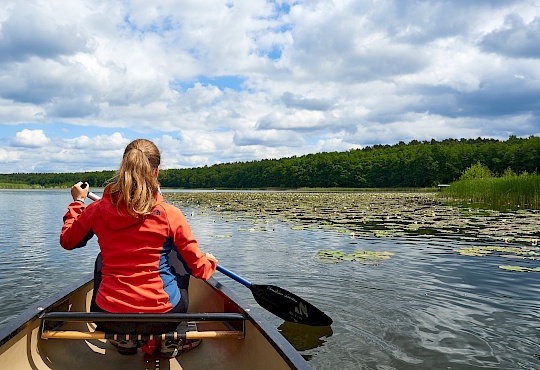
(305, 337)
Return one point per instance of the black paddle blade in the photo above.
(288, 306)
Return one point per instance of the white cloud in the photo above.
(220, 81)
(114, 142)
(10, 156)
(30, 31)
(335, 145)
(269, 138)
(30, 139)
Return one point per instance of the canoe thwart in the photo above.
(72, 334)
(228, 318)
(140, 317)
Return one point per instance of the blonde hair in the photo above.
(135, 183)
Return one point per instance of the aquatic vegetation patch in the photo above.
(367, 214)
(360, 255)
(374, 215)
(520, 268)
(251, 229)
(383, 233)
(530, 253)
(222, 236)
(514, 252)
(331, 254)
(506, 192)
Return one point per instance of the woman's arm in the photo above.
(77, 230)
(199, 265)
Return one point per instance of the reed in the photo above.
(507, 192)
(5, 185)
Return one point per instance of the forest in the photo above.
(415, 164)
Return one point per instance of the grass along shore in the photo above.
(506, 192)
(4, 185)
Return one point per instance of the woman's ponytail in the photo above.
(135, 182)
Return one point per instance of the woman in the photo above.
(137, 234)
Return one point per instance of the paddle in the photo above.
(280, 302)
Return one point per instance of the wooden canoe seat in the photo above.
(233, 322)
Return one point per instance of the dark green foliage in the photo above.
(416, 164)
(53, 180)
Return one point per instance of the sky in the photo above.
(243, 80)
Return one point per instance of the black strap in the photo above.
(140, 317)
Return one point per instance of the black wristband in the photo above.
(79, 200)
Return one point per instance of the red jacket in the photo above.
(136, 274)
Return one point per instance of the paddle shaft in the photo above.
(234, 276)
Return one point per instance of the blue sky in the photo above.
(225, 81)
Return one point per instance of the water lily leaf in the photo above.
(331, 254)
(360, 255)
(480, 251)
(473, 251)
(251, 229)
(519, 268)
(383, 233)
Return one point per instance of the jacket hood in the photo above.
(118, 218)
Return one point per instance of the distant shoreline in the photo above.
(8, 186)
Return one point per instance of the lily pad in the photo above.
(368, 255)
(520, 268)
(331, 254)
(473, 251)
(251, 229)
(360, 255)
(222, 236)
(481, 251)
(383, 233)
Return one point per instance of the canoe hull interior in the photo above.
(263, 347)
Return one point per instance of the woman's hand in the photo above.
(78, 193)
(210, 256)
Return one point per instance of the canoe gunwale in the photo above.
(289, 354)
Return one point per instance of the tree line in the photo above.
(413, 164)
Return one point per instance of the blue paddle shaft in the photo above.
(233, 276)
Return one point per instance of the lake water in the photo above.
(427, 307)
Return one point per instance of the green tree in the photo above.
(476, 171)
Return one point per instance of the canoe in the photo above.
(234, 336)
